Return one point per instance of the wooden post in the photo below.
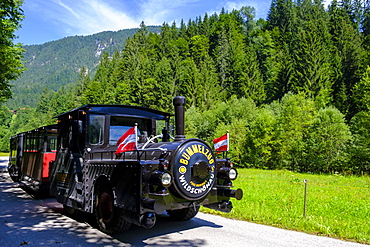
(305, 198)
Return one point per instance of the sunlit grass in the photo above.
(337, 206)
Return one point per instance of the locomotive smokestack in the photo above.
(179, 102)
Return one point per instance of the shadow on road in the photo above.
(158, 235)
(43, 222)
(164, 227)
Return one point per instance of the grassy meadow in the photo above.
(337, 206)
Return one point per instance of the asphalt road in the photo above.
(25, 221)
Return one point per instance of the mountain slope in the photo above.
(57, 63)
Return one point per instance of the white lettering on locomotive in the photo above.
(188, 187)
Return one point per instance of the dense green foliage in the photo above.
(291, 134)
(11, 65)
(292, 90)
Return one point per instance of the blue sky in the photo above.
(48, 20)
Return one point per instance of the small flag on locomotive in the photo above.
(221, 143)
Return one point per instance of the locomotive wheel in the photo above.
(183, 214)
(13, 174)
(109, 217)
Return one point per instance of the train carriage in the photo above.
(30, 155)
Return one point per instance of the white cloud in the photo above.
(237, 5)
(155, 12)
(83, 17)
(70, 10)
(92, 16)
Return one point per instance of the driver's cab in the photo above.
(100, 126)
(95, 129)
(105, 130)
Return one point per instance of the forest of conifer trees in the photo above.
(292, 90)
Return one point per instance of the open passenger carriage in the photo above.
(30, 155)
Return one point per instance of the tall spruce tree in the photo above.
(350, 54)
(237, 63)
(281, 15)
(223, 59)
(281, 22)
(311, 52)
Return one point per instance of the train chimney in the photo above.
(179, 102)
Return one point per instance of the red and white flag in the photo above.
(128, 141)
(221, 143)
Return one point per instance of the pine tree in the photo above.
(186, 80)
(365, 27)
(128, 71)
(81, 86)
(165, 45)
(183, 30)
(199, 47)
(282, 22)
(223, 60)
(164, 91)
(311, 52)
(236, 62)
(361, 92)
(100, 90)
(44, 104)
(208, 91)
(268, 60)
(350, 55)
(281, 16)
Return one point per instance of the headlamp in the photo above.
(166, 179)
(227, 173)
(232, 174)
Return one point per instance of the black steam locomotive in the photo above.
(147, 174)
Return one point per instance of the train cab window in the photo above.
(96, 129)
(119, 125)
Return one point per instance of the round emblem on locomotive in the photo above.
(182, 169)
(194, 169)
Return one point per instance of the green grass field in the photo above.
(337, 206)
